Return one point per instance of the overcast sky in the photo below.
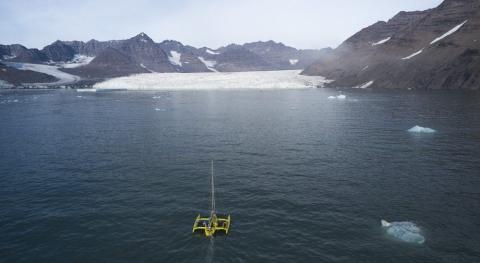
(213, 23)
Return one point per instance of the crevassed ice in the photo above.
(404, 231)
(285, 79)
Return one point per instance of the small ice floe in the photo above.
(159, 109)
(420, 129)
(339, 97)
(79, 96)
(156, 97)
(404, 231)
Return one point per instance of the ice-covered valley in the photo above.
(286, 79)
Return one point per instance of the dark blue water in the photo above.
(120, 177)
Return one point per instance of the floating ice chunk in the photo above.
(420, 129)
(404, 231)
(451, 31)
(383, 41)
(339, 97)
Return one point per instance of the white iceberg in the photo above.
(339, 97)
(404, 231)
(420, 129)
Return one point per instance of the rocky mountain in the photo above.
(281, 56)
(437, 48)
(108, 64)
(140, 54)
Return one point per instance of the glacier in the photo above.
(284, 79)
(63, 77)
(404, 231)
(420, 129)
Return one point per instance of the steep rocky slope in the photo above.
(432, 49)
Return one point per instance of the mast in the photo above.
(213, 193)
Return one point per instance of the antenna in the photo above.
(213, 192)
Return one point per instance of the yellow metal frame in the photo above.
(211, 225)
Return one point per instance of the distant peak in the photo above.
(143, 37)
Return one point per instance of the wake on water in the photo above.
(210, 251)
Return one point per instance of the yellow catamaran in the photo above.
(214, 223)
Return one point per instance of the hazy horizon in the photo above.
(301, 24)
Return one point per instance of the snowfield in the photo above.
(413, 55)
(383, 41)
(451, 31)
(286, 79)
(210, 64)
(77, 61)
(64, 78)
(175, 58)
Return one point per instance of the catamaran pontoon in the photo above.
(214, 223)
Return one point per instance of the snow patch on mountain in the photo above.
(451, 31)
(285, 79)
(175, 58)
(413, 55)
(293, 61)
(210, 64)
(364, 85)
(211, 52)
(383, 41)
(5, 57)
(143, 66)
(77, 61)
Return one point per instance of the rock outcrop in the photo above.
(432, 49)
